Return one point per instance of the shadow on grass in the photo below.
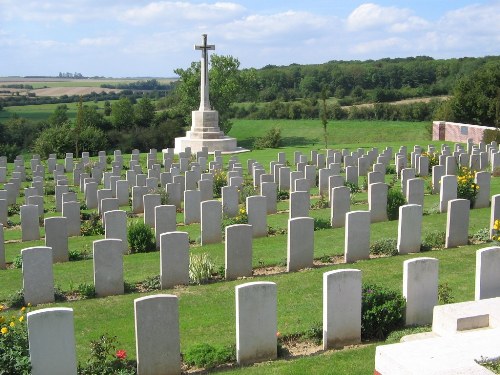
(298, 141)
(285, 142)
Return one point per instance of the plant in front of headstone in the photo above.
(201, 268)
(433, 240)
(241, 218)
(93, 226)
(390, 169)
(209, 356)
(86, 290)
(483, 235)
(282, 195)
(107, 359)
(163, 194)
(382, 311)
(395, 199)
(246, 190)
(386, 246)
(321, 203)
(220, 179)
(14, 350)
(16, 299)
(13, 209)
(150, 284)
(75, 255)
(321, 223)
(49, 189)
(445, 295)
(141, 238)
(18, 261)
(466, 186)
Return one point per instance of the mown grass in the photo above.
(207, 312)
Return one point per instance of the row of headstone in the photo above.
(51, 331)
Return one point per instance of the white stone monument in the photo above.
(205, 131)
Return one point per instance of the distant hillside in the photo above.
(355, 82)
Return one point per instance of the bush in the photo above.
(201, 268)
(16, 299)
(241, 218)
(382, 311)
(141, 238)
(86, 290)
(466, 187)
(272, 139)
(282, 195)
(92, 226)
(395, 199)
(386, 246)
(208, 356)
(433, 240)
(105, 359)
(220, 180)
(445, 295)
(14, 350)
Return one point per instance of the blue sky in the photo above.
(152, 38)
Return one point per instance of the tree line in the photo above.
(472, 83)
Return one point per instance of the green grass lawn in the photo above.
(207, 312)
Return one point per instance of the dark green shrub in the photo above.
(13, 209)
(382, 311)
(272, 139)
(354, 188)
(18, 261)
(106, 359)
(86, 290)
(141, 238)
(386, 246)
(92, 227)
(433, 240)
(59, 295)
(16, 299)
(445, 295)
(84, 254)
(283, 195)
(246, 190)
(151, 283)
(395, 199)
(320, 224)
(220, 180)
(14, 349)
(209, 356)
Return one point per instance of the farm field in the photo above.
(207, 312)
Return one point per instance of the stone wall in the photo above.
(456, 132)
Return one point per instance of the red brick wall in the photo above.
(455, 132)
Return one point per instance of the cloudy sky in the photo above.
(151, 38)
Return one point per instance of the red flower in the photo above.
(121, 354)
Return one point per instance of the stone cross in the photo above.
(204, 101)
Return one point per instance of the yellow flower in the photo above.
(4, 330)
(23, 308)
(1, 307)
(29, 304)
(21, 318)
(12, 324)
(496, 227)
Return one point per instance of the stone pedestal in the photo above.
(205, 132)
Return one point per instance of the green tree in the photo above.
(144, 112)
(59, 116)
(78, 125)
(475, 96)
(324, 114)
(122, 114)
(107, 108)
(226, 83)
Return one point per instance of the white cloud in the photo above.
(380, 47)
(289, 27)
(371, 16)
(177, 12)
(99, 41)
